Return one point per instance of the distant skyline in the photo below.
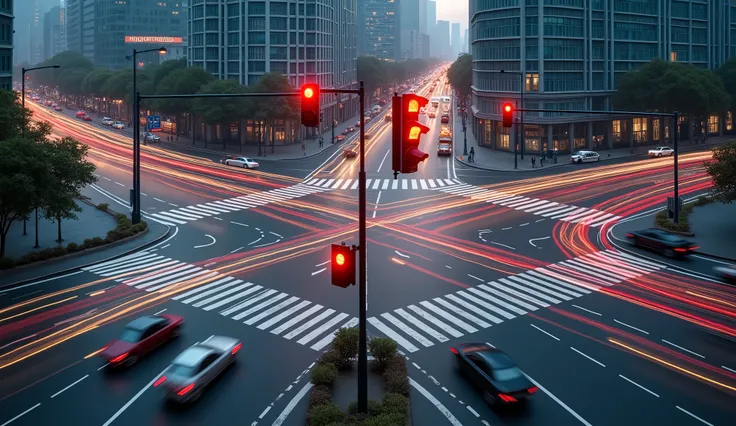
(453, 11)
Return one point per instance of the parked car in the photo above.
(656, 239)
(150, 137)
(585, 157)
(87, 118)
(107, 121)
(661, 151)
(118, 125)
(243, 162)
(80, 114)
(58, 108)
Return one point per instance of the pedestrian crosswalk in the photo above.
(549, 209)
(385, 184)
(467, 311)
(183, 215)
(309, 324)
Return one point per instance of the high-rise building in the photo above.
(443, 40)
(432, 26)
(308, 43)
(455, 40)
(36, 53)
(6, 44)
(413, 24)
(105, 32)
(575, 63)
(466, 42)
(53, 24)
(378, 29)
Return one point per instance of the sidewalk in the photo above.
(496, 160)
(281, 152)
(715, 230)
(91, 223)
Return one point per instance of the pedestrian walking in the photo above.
(534, 162)
(472, 154)
(541, 161)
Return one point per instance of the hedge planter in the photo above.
(335, 377)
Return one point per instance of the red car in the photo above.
(141, 336)
(87, 118)
(81, 114)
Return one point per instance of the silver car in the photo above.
(195, 368)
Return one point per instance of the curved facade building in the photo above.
(570, 54)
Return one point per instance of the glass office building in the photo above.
(570, 55)
(6, 44)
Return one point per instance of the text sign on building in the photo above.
(154, 39)
(153, 123)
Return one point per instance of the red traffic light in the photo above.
(508, 115)
(343, 265)
(310, 105)
(340, 259)
(407, 132)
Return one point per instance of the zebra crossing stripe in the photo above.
(492, 303)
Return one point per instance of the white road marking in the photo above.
(590, 358)
(319, 272)
(207, 245)
(729, 369)
(524, 224)
(265, 412)
(475, 278)
(502, 245)
(40, 282)
(680, 347)
(684, 411)
(237, 249)
(434, 401)
(26, 295)
(144, 194)
(539, 220)
(637, 385)
(174, 205)
(21, 415)
(275, 234)
(239, 224)
(160, 312)
(537, 239)
(384, 159)
(253, 242)
(587, 310)
(132, 400)
(548, 334)
(630, 326)
(557, 400)
(159, 200)
(322, 264)
(505, 229)
(448, 266)
(107, 178)
(102, 367)
(290, 407)
(375, 208)
(61, 391)
(406, 256)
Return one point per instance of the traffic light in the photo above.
(343, 265)
(407, 132)
(310, 105)
(508, 115)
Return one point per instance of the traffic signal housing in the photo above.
(407, 132)
(310, 105)
(343, 265)
(508, 115)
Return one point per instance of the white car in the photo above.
(107, 121)
(661, 151)
(118, 125)
(585, 157)
(243, 162)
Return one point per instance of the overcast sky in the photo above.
(453, 11)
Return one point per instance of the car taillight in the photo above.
(694, 248)
(629, 235)
(506, 398)
(453, 350)
(532, 389)
(236, 348)
(185, 390)
(119, 358)
(680, 250)
(159, 381)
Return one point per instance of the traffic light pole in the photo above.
(362, 269)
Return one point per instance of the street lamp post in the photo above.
(136, 214)
(23, 128)
(465, 134)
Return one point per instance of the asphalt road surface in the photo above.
(533, 264)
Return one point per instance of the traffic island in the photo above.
(682, 226)
(335, 381)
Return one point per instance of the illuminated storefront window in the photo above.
(729, 121)
(655, 129)
(616, 130)
(640, 129)
(713, 124)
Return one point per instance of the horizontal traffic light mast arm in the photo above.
(592, 112)
(244, 95)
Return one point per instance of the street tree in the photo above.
(722, 169)
(24, 181)
(70, 171)
(166, 68)
(373, 72)
(93, 84)
(13, 119)
(271, 110)
(220, 111)
(68, 61)
(180, 82)
(460, 74)
(727, 74)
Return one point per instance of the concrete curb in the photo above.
(716, 256)
(85, 252)
(683, 233)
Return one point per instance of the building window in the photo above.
(616, 125)
(655, 129)
(729, 121)
(713, 123)
(640, 129)
(532, 82)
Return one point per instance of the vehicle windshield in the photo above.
(507, 374)
(181, 371)
(131, 336)
(444, 146)
(581, 153)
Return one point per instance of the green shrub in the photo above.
(397, 376)
(374, 408)
(121, 218)
(386, 419)
(395, 403)
(72, 247)
(345, 346)
(323, 415)
(382, 349)
(103, 207)
(320, 395)
(324, 375)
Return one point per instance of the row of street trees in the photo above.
(379, 76)
(37, 171)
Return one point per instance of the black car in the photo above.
(494, 373)
(656, 239)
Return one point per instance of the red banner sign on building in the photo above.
(154, 39)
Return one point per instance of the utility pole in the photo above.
(362, 269)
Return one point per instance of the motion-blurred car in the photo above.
(585, 157)
(728, 273)
(118, 125)
(661, 151)
(431, 114)
(388, 117)
(58, 108)
(656, 239)
(444, 149)
(150, 137)
(243, 162)
(494, 373)
(87, 118)
(107, 121)
(339, 138)
(357, 123)
(350, 152)
(198, 366)
(80, 114)
(445, 119)
(140, 337)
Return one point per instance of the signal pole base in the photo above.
(135, 218)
